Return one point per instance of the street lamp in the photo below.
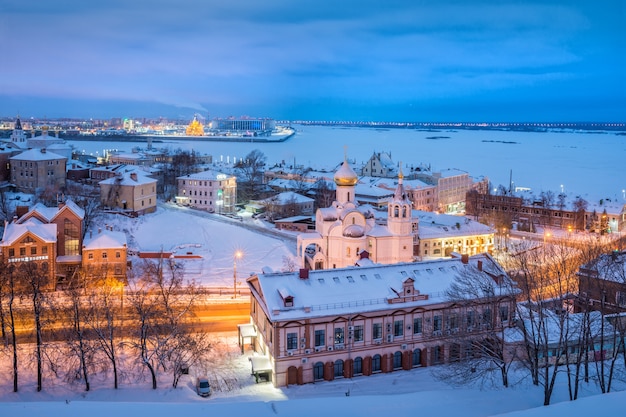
(238, 255)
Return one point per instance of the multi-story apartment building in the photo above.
(37, 169)
(344, 323)
(208, 190)
(442, 234)
(130, 192)
(510, 208)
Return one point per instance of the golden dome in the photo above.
(345, 175)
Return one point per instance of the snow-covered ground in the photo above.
(235, 393)
(214, 239)
(587, 163)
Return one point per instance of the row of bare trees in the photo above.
(558, 329)
(104, 329)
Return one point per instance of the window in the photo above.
(71, 236)
(104, 255)
(376, 363)
(339, 335)
(417, 325)
(358, 366)
(358, 333)
(90, 256)
(44, 250)
(377, 331)
(118, 254)
(292, 341)
(398, 328)
(338, 368)
(318, 371)
(11, 252)
(397, 360)
(504, 313)
(320, 337)
(417, 357)
(22, 251)
(33, 250)
(437, 323)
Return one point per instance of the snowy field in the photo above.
(184, 231)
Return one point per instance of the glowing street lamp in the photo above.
(238, 255)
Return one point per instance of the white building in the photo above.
(345, 232)
(208, 190)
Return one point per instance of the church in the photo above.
(347, 234)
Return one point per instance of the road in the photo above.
(212, 316)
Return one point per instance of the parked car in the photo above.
(203, 388)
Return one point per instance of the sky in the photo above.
(398, 60)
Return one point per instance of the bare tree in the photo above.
(324, 194)
(250, 178)
(35, 280)
(104, 318)
(485, 301)
(162, 309)
(8, 292)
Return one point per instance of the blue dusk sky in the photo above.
(386, 60)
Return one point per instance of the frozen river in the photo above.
(589, 164)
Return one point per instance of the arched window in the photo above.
(358, 365)
(396, 211)
(338, 368)
(417, 357)
(376, 363)
(397, 360)
(404, 211)
(348, 251)
(318, 371)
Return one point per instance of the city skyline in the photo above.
(401, 61)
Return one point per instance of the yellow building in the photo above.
(195, 128)
(129, 192)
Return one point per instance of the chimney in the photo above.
(480, 265)
(133, 176)
(304, 273)
(43, 150)
(99, 230)
(465, 258)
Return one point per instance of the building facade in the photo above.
(104, 255)
(129, 192)
(36, 169)
(344, 323)
(208, 190)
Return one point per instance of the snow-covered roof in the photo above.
(434, 225)
(209, 175)
(126, 178)
(37, 155)
(105, 239)
(15, 231)
(50, 213)
(355, 290)
(288, 197)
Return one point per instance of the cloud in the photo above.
(199, 54)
